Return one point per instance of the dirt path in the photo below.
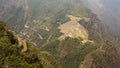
(22, 43)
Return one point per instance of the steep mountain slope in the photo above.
(70, 32)
(108, 11)
(12, 57)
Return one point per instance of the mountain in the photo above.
(14, 56)
(108, 11)
(71, 34)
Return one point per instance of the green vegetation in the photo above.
(12, 57)
(70, 52)
(41, 20)
(44, 13)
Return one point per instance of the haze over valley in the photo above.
(59, 34)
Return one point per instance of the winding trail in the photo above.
(22, 43)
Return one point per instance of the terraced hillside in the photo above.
(74, 29)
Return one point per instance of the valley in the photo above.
(55, 34)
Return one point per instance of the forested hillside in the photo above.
(62, 34)
(12, 57)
